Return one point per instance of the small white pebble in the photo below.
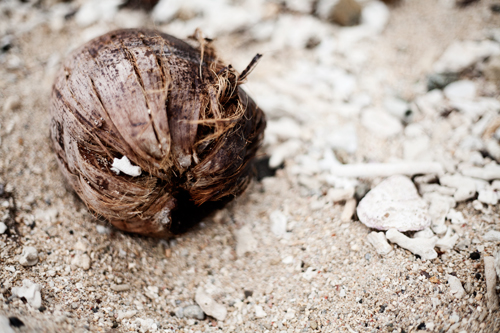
(29, 256)
(3, 228)
(102, 229)
(124, 165)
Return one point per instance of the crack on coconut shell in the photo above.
(207, 130)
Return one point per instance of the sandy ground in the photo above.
(322, 275)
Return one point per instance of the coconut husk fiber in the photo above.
(173, 110)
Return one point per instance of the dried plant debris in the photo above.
(135, 100)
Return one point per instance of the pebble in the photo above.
(80, 246)
(209, 306)
(458, 90)
(489, 172)
(448, 241)
(488, 197)
(426, 233)
(192, 311)
(491, 281)
(463, 54)
(29, 256)
(456, 217)
(259, 312)
(343, 138)
(102, 229)
(381, 123)
(398, 108)
(284, 151)
(120, 287)
(497, 263)
(456, 287)
(466, 187)
(341, 12)
(348, 211)
(379, 242)
(126, 314)
(5, 325)
(30, 291)
(245, 242)
(340, 194)
(492, 236)
(424, 247)
(278, 223)
(3, 228)
(82, 261)
(394, 203)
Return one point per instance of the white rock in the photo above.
(123, 165)
(166, 10)
(456, 217)
(344, 138)
(456, 287)
(245, 242)
(397, 107)
(489, 172)
(278, 223)
(95, 10)
(283, 129)
(102, 229)
(5, 325)
(146, 325)
(424, 247)
(474, 109)
(413, 149)
(394, 203)
(426, 233)
(30, 291)
(429, 102)
(82, 261)
(460, 90)
(126, 314)
(3, 227)
(497, 263)
(489, 197)
(448, 241)
(348, 211)
(209, 306)
(259, 312)
(491, 282)
(340, 194)
(290, 314)
(381, 123)
(466, 187)
(80, 246)
(309, 273)
(284, 151)
(193, 311)
(492, 236)
(462, 54)
(29, 256)
(379, 242)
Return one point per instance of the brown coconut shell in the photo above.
(175, 111)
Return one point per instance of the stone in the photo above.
(29, 256)
(126, 314)
(340, 194)
(463, 54)
(456, 217)
(82, 261)
(5, 325)
(278, 223)
(209, 306)
(379, 242)
(284, 151)
(497, 263)
(124, 165)
(343, 138)
(3, 228)
(30, 291)
(424, 247)
(394, 203)
(491, 281)
(415, 148)
(490, 172)
(448, 241)
(381, 123)
(193, 311)
(488, 197)
(456, 287)
(348, 211)
(120, 287)
(398, 108)
(103, 230)
(466, 187)
(259, 312)
(458, 90)
(426, 233)
(341, 12)
(245, 242)
(492, 236)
